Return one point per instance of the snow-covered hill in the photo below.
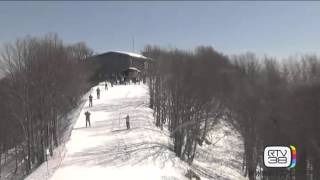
(107, 150)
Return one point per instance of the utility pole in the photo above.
(132, 43)
(132, 50)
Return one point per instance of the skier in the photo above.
(90, 100)
(87, 114)
(98, 93)
(106, 86)
(128, 122)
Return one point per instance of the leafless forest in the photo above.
(269, 102)
(44, 80)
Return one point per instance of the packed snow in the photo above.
(107, 150)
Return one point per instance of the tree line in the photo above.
(43, 80)
(269, 102)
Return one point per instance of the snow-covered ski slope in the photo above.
(107, 150)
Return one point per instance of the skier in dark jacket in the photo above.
(87, 114)
(128, 122)
(106, 86)
(90, 100)
(98, 93)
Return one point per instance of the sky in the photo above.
(264, 27)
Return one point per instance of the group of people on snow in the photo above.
(87, 113)
(125, 79)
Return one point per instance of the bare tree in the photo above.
(44, 79)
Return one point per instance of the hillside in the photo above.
(107, 150)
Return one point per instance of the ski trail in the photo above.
(107, 150)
